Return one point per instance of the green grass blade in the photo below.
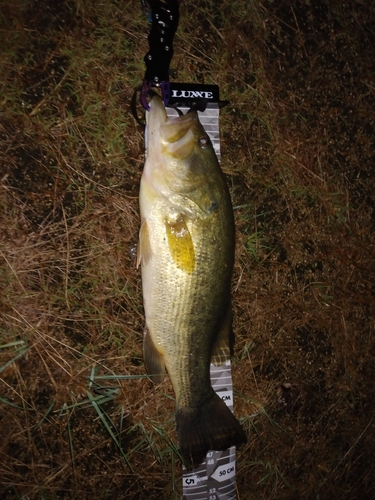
(106, 425)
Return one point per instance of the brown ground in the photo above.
(298, 150)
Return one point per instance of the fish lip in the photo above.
(178, 130)
(157, 115)
(173, 130)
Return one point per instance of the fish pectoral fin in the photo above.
(223, 347)
(180, 243)
(144, 251)
(153, 359)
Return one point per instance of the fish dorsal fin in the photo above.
(180, 243)
(144, 251)
(223, 347)
(153, 358)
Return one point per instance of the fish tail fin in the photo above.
(212, 426)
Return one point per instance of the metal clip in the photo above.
(145, 92)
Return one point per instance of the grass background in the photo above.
(77, 416)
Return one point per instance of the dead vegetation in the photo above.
(78, 417)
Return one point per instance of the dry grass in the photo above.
(78, 417)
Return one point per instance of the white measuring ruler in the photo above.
(215, 478)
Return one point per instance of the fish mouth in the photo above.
(176, 135)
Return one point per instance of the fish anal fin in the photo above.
(153, 359)
(144, 251)
(223, 346)
(212, 426)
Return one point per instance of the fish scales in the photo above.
(186, 305)
(186, 252)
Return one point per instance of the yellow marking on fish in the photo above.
(180, 244)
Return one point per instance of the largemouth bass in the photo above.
(186, 252)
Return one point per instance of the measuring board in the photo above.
(215, 478)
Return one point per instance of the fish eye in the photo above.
(204, 141)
